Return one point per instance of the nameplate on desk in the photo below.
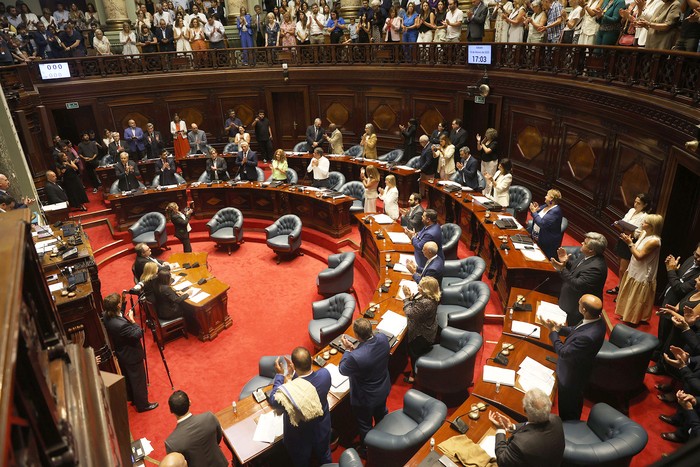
(494, 374)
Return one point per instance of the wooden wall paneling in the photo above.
(383, 110)
(246, 106)
(192, 108)
(339, 107)
(528, 143)
(431, 110)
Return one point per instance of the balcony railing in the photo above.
(667, 73)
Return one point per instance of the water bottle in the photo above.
(235, 407)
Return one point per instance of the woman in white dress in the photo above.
(539, 18)
(390, 196)
(589, 23)
(638, 286)
(370, 180)
(516, 21)
(501, 12)
(634, 216)
(127, 38)
(497, 186)
(181, 36)
(101, 43)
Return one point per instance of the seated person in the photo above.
(216, 166)
(168, 302)
(166, 168)
(7, 203)
(148, 279)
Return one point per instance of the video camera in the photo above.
(136, 290)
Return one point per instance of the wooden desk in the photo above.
(531, 298)
(505, 268)
(130, 208)
(211, 315)
(194, 166)
(372, 248)
(328, 215)
(406, 179)
(107, 175)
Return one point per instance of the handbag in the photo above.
(567, 36)
(626, 35)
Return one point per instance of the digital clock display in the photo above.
(479, 54)
(54, 70)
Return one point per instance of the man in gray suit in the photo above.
(476, 17)
(196, 437)
(197, 139)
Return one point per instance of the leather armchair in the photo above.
(330, 318)
(349, 458)
(607, 439)
(106, 160)
(178, 178)
(114, 188)
(461, 271)
(480, 180)
(266, 373)
(226, 227)
(301, 146)
(284, 235)
(336, 180)
(355, 190)
(393, 156)
(261, 174)
(449, 366)
(450, 240)
(205, 178)
(520, 199)
(292, 176)
(354, 151)
(150, 229)
(621, 363)
(339, 276)
(414, 162)
(463, 307)
(205, 151)
(394, 440)
(230, 148)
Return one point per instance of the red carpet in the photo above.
(270, 306)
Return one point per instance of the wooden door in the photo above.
(70, 123)
(289, 114)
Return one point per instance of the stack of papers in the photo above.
(400, 265)
(181, 285)
(405, 167)
(393, 323)
(410, 284)
(481, 199)
(488, 444)
(270, 427)
(534, 255)
(399, 237)
(198, 297)
(383, 219)
(525, 329)
(533, 374)
(448, 183)
(56, 206)
(494, 374)
(339, 384)
(550, 311)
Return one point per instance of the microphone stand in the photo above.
(502, 359)
(519, 305)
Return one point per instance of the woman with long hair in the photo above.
(127, 38)
(181, 36)
(426, 23)
(487, 151)
(197, 36)
(287, 31)
(168, 302)
(634, 216)
(68, 171)
(370, 180)
(148, 278)
(181, 221)
(301, 30)
(178, 129)
(369, 142)
(497, 185)
(390, 196)
(446, 152)
(279, 166)
(421, 311)
(393, 27)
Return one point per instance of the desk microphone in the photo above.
(520, 305)
(369, 313)
(459, 425)
(502, 359)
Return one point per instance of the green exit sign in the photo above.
(72, 105)
(479, 100)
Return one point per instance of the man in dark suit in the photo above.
(412, 217)
(576, 354)
(116, 147)
(476, 17)
(428, 164)
(166, 169)
(537, 443)
(154, 142)
(196, 437)
(308, 437)
(434, 265)
(467, 168)
(54, 191)
(429, 233)
(216, 166)
(164, 34)
(133, 135)
(680, 282)
(314, 135)
(247, 160)
(4, 190)
(126, 336)
(367, 366)
(41, 39)
(126, 171)
(143, 256)
(218, 10)
(581, 274)
(458, 135)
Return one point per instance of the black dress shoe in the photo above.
(672, 437)
(150, 406)
(669, 420)
(613, 291)
(655, 370)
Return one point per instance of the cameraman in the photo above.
(126, 336)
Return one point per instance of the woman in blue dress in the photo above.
(245, 31)
(410, 28)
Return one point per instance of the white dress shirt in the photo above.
(321, 170)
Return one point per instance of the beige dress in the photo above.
(638, 285)
(371, 195)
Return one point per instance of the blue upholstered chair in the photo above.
(230, 148)
(226, 228)
(150, 229)
(114, 188)
(284, 236)
(519, 201)
(339, 276)
(178, 179)
(349, 458)
(330, 318)
(414, 162)
(463, 307)
(292, 176)
(393, 156)
(461, 271)
(266, 373)
(301, 146)
(355, 190)
(451, 234)
(354, 151)
(336, 180)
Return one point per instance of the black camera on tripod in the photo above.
(135, 290)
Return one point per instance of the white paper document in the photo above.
(534, 255)
(525, 329)
(494, 374)
(383, 219)
(55, 207)
(270, 426)
(336, 378)
(400, 265)
(181, 285)
(147, 447)
(199, 297)
(405, 167)
(488, 444)
(393, 323)
(56, 287)
(399, 237)
(533, 374)
(481, 199)
(551, 311)
(408, 283)
(449, 183)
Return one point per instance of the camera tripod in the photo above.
(152, 326)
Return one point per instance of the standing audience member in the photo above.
(88, 152)
(181, 221)
(245, 29)
(247, 160)
(320, 166)
(608, 18)
(421, 312)
(467, 168)
(164, 34)
(101, 44)
(537, 442)
(487, 151)
(412, 217)
(272, 31)
(453, 20)
(136, 147)
(535, 23)
(367, 366)
(458, 135)
(393, 26)
(408, 133)
(154, 142)
(554, 24)
(215, 33)
(263, 135)
(498, 185)
(197, 140)
(369, 142)
(576, 355)
(166, 169)
(546, 223)
(335, 140)
(581, 274)
(428, 162)
(638, 286)
(476, 17)
(126, 336)
(434, 265)
(216, 167)
(196, 437)
(431, 232)
(335, 26)
(445, 151)
(241, 136)
(280, 166)
(127, 38)
(54, 191)
(126, 171)
(314, 135)
(70, 175)
(589, 23)
(178, 130)
(370, 180)
(390, 197)
(307, 423)
(634, 216)
(662, 26)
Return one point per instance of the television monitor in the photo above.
(56, 70)
(479, 54)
